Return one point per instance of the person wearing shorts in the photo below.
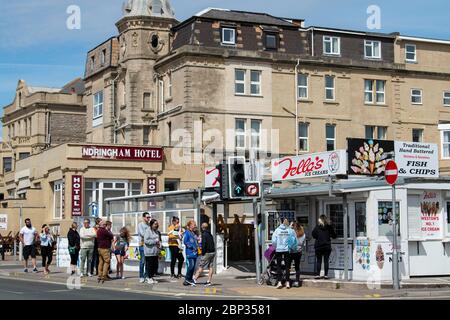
(208, 255)
(121, 244)
(28, 237)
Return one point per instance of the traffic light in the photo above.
(223, 179)
(236, 166)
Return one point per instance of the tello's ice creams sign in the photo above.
(310, 166)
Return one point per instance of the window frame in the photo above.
(330, 139)
(375, 92)
(406, 53)
(239, 133)
(103, 57)
(357, 225)
(444, 98)
(256, 134)
(385, 128)
(11, 164)
(300, 138)
(371, 44)
(92, 64)
(243, 82)
(161, 93)
(373, 131)
(420, 136)
(97, 117)
(443, 128)
(415, 95)
(256, 83)
(58, 186)
(333, 89)
(276, 36)
(372, 91)
(330, 40)
(223, 36)
(302, 86)
(388, 203)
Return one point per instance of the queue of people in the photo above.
(288, 241)
(91, 241)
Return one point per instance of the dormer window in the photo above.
(92, 64)
(372, 49)
(228, 36)
(331, 45)
(271, 41)
(103, 57)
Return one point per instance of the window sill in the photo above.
(417, 104)
(411, 62)
(230, 45)
(305, 100)
(373, 59)
(248, 95)
(337, 55)
(375, 105)
(331, 102)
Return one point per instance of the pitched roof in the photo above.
(74, 86)
(243, 16)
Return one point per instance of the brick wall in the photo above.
(66, 128)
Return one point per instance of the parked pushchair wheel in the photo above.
(273, 282)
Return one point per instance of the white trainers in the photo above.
(141, 280)
(279, 285)
(151, 281)
(288, 285)
(89, 275)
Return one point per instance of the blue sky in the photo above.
(35, 44)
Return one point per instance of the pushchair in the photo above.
(270, 276)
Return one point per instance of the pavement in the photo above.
(231, 284)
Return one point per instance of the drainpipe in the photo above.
(312, 41)
(114, 107)
(296, 107)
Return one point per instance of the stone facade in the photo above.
(163, 83)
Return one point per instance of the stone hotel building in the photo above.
(162, 89)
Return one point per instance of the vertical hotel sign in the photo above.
(77, 196)
(152, 187)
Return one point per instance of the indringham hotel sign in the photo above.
(96, 152)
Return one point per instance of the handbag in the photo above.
(72, 250)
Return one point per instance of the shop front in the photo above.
(422, 209)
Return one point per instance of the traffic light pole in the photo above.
(257, 255)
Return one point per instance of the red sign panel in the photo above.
(94, 152)
(391, 172)
(77, 183)
(252, 189)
